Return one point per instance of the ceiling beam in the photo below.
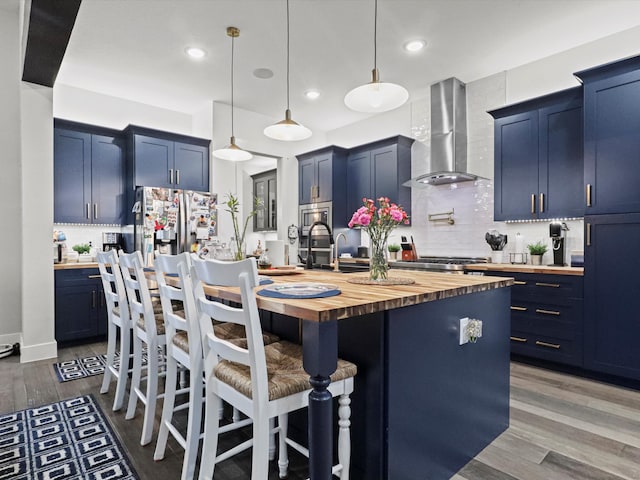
(50, 26)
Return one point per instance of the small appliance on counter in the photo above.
(556, 232)
(59, 247)
(111, 241)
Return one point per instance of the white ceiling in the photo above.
(135, 48)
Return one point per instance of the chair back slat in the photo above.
(138, 293)
(242, 274)
(113, 284)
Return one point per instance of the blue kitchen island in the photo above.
(423, 404)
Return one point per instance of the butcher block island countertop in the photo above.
(358, 299)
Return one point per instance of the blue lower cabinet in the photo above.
(80, 307)
(547, 317)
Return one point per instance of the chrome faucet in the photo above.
(336, 261)
(309, 263)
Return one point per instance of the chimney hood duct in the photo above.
(448, 159)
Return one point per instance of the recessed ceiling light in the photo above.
(262, 73)
(414, 45)
(312, 94)
(195, 52)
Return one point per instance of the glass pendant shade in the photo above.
(287, 130)
(376, 96)
(232, 152)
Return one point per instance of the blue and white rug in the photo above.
(70, 439)
(88, 366)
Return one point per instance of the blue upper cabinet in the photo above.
(378, 170)
(611, 137)
(321, 176)
(88, 174)
(538, 158)
(163, 159)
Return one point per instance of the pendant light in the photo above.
(376, 96)
(287, 129)
(232, 151)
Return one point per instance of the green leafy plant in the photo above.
(233, 207)
(537, 248)
(393, 247)
(82, 248)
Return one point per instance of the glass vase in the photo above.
(238, 249)
(378, 265)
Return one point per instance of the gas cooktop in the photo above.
(447, 264)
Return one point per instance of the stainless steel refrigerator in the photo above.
(173, 221)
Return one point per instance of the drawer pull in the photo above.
(93, 276)
(552, 285)
(519, 309)
(547, 312)
(518, 339)
(519, 282)
(549, 345)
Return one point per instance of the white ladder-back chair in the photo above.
(148, 329)
(181, 351)
(119, 325)
(263, 382)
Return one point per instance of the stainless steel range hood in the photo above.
(448, 158)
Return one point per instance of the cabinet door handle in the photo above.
(543, 284)
(519, 339)
(93, 276)
(541, 202)
(178, 177)
(519, 282)
(548, 345)
(95, 211)
(93, 299)
(588, 194)
(171, 175)
(88, 211)
(547, 312)
(533, 203)
(588, 234)
(518, 309)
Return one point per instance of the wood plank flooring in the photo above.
(562, 427)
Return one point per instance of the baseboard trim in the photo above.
(11, 338)
(42, 351)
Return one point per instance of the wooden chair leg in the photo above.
(344, 435)
(210, 443)
(152, 394)
(260, 455)
(123, 371)
(272, 439)
(111, 353)
(168, 406)
(193, 424)
(283, 456)
(135, 379)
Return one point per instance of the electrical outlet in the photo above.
(464, 336)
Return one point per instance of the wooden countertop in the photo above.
(357, 299)
(509, 267)
(73, 265)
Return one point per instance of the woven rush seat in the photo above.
(286, 375)
(228, 331)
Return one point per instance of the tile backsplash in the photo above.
(470, 202)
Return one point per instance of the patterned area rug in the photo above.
(88, 366)
(65, 440)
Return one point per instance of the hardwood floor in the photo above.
(562, 427)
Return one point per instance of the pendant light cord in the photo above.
(287, 54)
(232, 43)
(375, 36)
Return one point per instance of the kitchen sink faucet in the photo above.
(309, 263)
(336, 261)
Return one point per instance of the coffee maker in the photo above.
(556, 232)
(111, 241)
